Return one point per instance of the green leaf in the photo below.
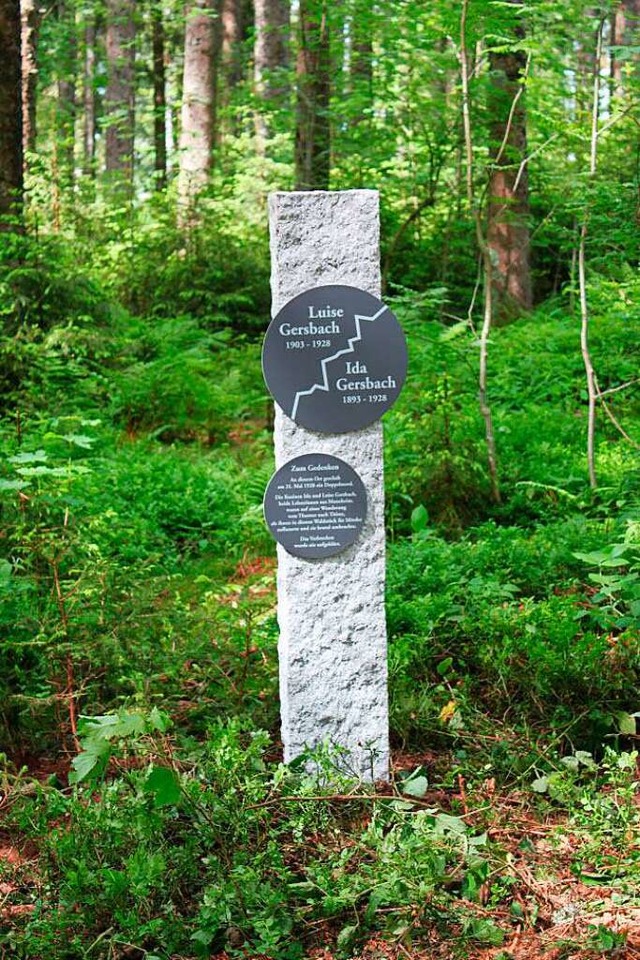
(447, 824)
(111, 726)
(485, 931)
(571, 763)
(585, 758)
(163, 784)
(454, 331)
(34, 471)
(419, 519)
(626, 724)
(85, 764)
(541, 785)
(159, 721)
(415, 786)
(444, 666)
(79, 440)
(610, 557)
(14, 484)
(36, 457)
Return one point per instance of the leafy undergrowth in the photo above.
(181, 850)
(171, 834)
(144, 811)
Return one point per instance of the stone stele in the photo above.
(333, 645)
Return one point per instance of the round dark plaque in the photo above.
(335, 359)
(315, 506)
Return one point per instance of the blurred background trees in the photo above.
(208, 105)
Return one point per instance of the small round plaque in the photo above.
(315, 506)
(334, 359)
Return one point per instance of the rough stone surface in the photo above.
(333, 644)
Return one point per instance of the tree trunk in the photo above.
(66, 106)
(159, 99)
(197, 129)
(508, 226)
(313, 133)
(624, 26)
(270, 60)
(361, 62)
(89, 100)
(30, 24)
(229, 73)
(11, 173)
(271, 48)
(120, 93)
(231, 17)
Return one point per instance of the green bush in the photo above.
(182, 385)
(157, 270)
(498, 622)
(221, 850)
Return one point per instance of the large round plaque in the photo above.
(315, 506)
(334, 359)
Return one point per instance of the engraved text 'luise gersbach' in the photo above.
(334, 359)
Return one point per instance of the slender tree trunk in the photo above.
(229, 72)
(271, 48)
(120, 93)
(197, 129)
(231, 17)
(66, 107)
(271, 59)
(361, 63)
(487, 267)
(159, 98)
(508, 226)
(313, 132)
(590, 375)
(89, 100)
(625, 25)
(11, 155)
(30, 24)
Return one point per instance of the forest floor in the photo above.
(551, 913)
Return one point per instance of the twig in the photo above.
(466, 116)
(622, 386)
(529, 157)
(584, 307)
(601, 394)
(69, 691)
(485, 409)
(351, 797)
(330, 798)
(512, 110)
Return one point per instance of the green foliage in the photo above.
(435, 444)
(476, 626)
(95, 538)
(53, 321)
(618, 581)
(180, 385)
(183, 857)
(601, 800)
(157, 271)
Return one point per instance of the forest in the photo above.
(146, 812)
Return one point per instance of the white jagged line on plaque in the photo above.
(341, 353)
